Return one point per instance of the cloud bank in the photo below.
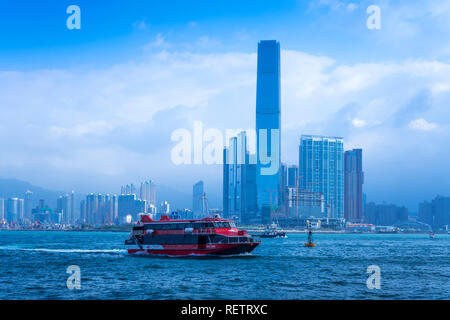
(95, 129)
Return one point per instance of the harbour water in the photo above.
(33, 265)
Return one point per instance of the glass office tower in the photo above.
(268, 118)
(321, 169)
(353, 185)
(239, 181)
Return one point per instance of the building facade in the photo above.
(197, 199)
(292, 175)
(321, 169)
(268, 124)
(436, 213)
(385, 214)
(28, 205)
(239, 181)
(353, 185)
(147, 192)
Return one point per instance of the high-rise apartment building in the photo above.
(2, 209)
(147, 192)
(14, 208)
(321, 169)
(436, 213)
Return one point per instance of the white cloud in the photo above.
(358, 123)
(422, 124)
(140, 24)
(114, 124)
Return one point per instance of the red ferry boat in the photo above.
(208, 236)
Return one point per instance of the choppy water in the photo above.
(33, 266)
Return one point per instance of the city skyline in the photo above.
(116, 125)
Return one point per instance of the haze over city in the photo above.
(101, 103)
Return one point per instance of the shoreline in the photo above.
(255, 232)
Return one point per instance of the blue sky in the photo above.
(74, 102)
(34, 34)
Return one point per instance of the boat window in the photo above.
(204, 225)
(232, 225)
(220, 224)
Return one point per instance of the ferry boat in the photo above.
(273, 232)
(207, 236)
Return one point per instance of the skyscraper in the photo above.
(128, 189)
(72, 215)
(292, 175)
(28, 203)
(268, 123)
(239, 181)
(64, 206)
(148, 192)
(353, 181)
(321, 169)
(2, 209)
(197, 199)
(13, 210)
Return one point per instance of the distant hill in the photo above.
(176, 199)
(16, 188)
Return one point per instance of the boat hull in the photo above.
(180, 250)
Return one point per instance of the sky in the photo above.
(93, 109)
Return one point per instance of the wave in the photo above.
(66, 250)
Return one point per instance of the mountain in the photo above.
(16, 188)
(177, 199)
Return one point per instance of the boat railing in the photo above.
(229, 240)
(205, 231)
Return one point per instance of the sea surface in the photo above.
(33, 265)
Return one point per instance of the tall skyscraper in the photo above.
(2, 209)
(321, 169)
(197, 199)
(83, 212)
(353, 185)
(13, 210)
(64, 207)
(225, 184)
(148, 192)
(292, 175)
(268, 107)
(73, 214)
(239, 182)
(128, 189)
(28, 203)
